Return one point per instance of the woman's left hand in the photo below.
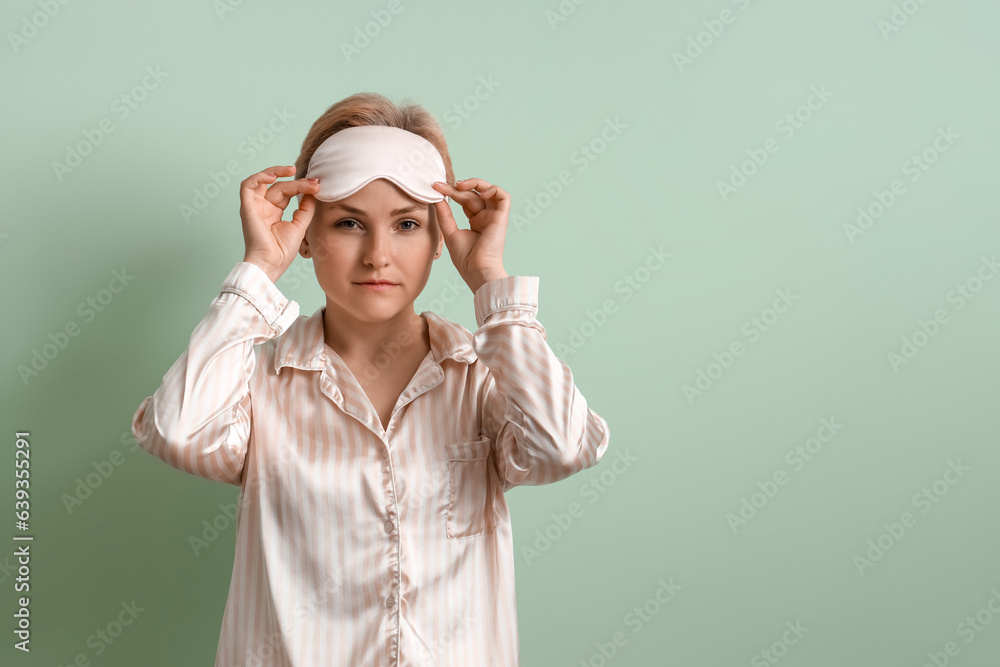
(477, 252)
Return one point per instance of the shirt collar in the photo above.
(303, 344)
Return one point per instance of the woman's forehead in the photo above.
(378, 194)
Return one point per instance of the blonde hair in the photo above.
(373, 109)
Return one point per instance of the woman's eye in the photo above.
(345, 222)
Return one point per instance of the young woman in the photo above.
(372, 446)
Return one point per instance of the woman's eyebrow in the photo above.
(393, 212)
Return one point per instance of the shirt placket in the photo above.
(428, 376)
(391, 525)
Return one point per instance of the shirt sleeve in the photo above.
(198, 420)
(540, 425)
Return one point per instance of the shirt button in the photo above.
(388, 526)
(389, 601)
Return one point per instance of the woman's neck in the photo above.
(352, 339)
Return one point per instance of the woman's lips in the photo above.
(377, 287)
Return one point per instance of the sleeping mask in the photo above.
(354, 157)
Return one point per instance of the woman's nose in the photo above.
(376, 249)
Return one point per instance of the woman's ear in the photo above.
(304, 248)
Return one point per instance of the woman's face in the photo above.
(378, 233)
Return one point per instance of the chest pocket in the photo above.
(472, 483)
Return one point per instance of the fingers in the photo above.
(280, 193)
(266, 176)
(446, 221)
(475, 194)
(470, 201)
(258, 182)
(304, 213)
(491, 194)
(471, 184)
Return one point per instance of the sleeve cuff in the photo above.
(514, 293)
(249, 281)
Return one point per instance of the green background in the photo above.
(687, 126)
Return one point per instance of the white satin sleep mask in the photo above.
(354, 157)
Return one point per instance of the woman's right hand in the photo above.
(272, 243)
